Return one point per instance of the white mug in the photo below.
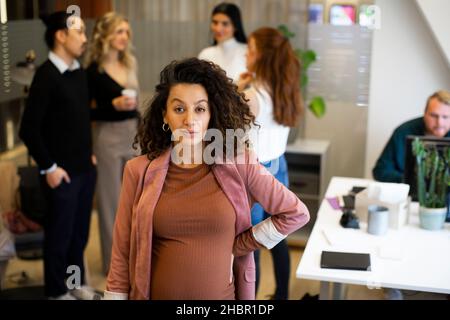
(378, 220)
(130, 93)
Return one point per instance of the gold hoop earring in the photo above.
(165, 130)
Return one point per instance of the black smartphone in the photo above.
(345, 260)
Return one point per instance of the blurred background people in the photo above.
(56, 130)
(230, 43)
(273, 90)
(113, 86)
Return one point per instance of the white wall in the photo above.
(407, 66)
(341, 75)
(436, 13)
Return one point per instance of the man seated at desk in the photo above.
(435, 122)
(390, 164)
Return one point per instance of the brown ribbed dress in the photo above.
(193, 236)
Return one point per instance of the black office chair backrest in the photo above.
(33, 203)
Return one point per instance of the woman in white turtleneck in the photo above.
(230, 43)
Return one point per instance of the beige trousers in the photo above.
(113, 148)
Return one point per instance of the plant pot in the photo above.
(432, 218)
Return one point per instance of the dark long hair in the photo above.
(229, 109)
(278, 67)
(232, 11)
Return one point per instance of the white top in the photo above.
(229, 55)
(270, 139)
(410, 258)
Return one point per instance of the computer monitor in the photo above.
(409, 175)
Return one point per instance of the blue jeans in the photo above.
(280, 253)
(278, 168)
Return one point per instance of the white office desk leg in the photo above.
(338, 291)
(324, 290)
(337, 288)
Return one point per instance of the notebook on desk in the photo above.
(345, 260)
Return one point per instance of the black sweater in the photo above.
(103, 89)
(56, 123)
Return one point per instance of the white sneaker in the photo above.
(84, 293)
(392, 294)
(66, 296)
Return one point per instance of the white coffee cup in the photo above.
(378, 220)
(130, 93)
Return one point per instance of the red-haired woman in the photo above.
(272, 87)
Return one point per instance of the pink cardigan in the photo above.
(243, 184)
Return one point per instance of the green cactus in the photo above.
(433, 176)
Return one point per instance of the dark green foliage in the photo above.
(433, 176)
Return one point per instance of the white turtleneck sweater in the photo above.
(229, 55)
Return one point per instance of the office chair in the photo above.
(27, 236)
(33, 205)
(25, 225)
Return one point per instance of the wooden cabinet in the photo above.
(18, 155)
(308, 178)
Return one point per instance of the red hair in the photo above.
(278, 67)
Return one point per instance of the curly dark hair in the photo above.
(228, 107)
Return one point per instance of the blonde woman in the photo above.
(113, 85)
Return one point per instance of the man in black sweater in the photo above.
(56, 130)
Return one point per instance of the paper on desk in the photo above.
(390, 252)
(388, 192)
(345, 237)
(334, 203)
(351, 240)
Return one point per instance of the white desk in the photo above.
(410, 258)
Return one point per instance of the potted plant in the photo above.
(433, 180)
